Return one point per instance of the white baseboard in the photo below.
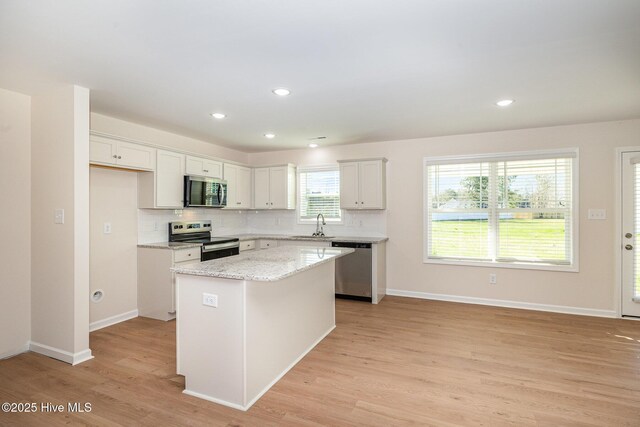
(99, 324)
(15, 351)
(62, 355)
(505, 303)
(214, 400)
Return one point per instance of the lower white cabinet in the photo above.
(304, 243)
(247, 245)
(156, 283)
(266, 244)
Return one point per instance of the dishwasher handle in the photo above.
(355, 245)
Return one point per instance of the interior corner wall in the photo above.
(60, 252)
(590, 291)
(15, 227)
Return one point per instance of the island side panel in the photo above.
(285, 319)
(211, 340)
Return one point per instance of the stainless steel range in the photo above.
(200, 232)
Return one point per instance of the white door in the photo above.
(102, 151)
(211, 168)
(194, 166)
(136, 156)
(349, 185)
(243, 193)
(370, 180)
(231, 176)
(278, 187)
(261, 186)
(630, 229)
(170, 180)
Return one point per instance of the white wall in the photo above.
(592, 288)
(113, 264)
(169, 140)
(60, 252)
(15, 223)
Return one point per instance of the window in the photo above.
(515, 210)
(319, 192)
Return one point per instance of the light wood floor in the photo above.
(404, 361)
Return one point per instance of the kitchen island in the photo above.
(244, 321)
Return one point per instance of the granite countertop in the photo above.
(357, 239)
(169, 245)
(266, 265)
(245, 237)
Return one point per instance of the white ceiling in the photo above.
(359, 70)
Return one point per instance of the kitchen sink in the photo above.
(306, 236)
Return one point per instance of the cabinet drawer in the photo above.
(191, 254)
(264, 244)
(248, 245)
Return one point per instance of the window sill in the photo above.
(515, 265)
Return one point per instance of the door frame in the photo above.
(618, 238)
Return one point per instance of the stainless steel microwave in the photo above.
(202, 192)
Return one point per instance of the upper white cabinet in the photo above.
(363, 184)
(275, 187)
(238, 186)
(113, 152)
(203, 167)
(163, 189)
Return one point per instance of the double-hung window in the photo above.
(512, 209)
(319, 193)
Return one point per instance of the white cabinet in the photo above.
(363, 184)
(163, 189)
(266, 244)
(275, 187)
(238, 186)
(113, 152)
(203, 167)
(157, 284)
(247, 245)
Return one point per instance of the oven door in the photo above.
(219, 250)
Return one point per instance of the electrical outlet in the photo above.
(210, 300)
(107, 228)
(58, 216)
(493, 278)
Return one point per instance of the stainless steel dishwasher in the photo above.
(353, 271)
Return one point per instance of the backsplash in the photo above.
(153, 224)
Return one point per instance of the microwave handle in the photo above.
(220, 194)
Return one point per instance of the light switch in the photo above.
(58, 216)
(597, 214)
(107, 228)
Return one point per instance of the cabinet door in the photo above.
(170, 180)
(278, 187)
(212, 168)
(102, 151)
(370, 188)
(349, 186)
(136, 156)
(243, 194)
(194, 166)
(231, 176)
(261, 185)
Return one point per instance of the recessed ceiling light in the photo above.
(270, 135)
(281, 91)
(312, 145)
(218, 115)
(504, 102)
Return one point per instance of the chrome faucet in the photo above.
(319, 228)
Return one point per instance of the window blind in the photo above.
(501, 211)
(319, 192)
